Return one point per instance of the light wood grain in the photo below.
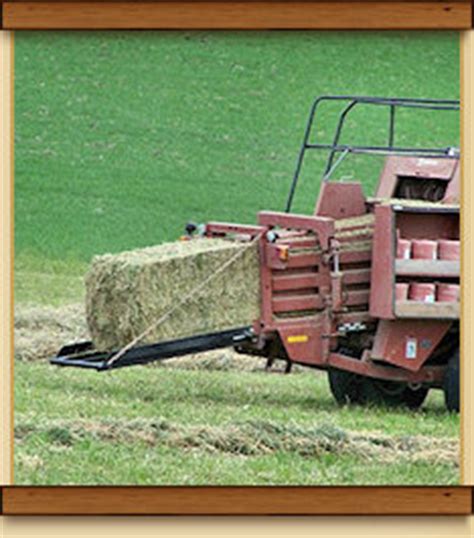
(237, 15)
(237, 500)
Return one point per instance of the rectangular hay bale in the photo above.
(127, 292)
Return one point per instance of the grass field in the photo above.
(120, 139)
(173, 425)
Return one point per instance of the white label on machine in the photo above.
(410, 348)
(426, 162)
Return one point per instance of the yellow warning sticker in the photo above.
(297, 338)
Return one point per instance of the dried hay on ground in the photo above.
(253, 438)
(40, 331)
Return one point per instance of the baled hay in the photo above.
(128, 292)
(40, 331)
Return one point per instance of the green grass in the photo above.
(120, 139)
(135, 464)
(59, 399)
(123, 137)
(48, 281)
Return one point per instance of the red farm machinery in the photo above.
(375, 302)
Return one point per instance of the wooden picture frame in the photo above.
(220, 14)
(248, 15)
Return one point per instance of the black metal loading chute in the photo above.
(81, 355)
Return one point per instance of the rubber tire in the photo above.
(349, 388)
(346, 387)
(393, 394)
(451, 384)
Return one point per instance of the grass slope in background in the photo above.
(121, 138)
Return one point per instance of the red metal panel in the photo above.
(295, 303)
(265, 285)
(305, 241)
(303, 260)
(383, 271)
(355, 317)
(303, 340)
(443, 169)
(356, 276)
(453, 190)
(355, 256)
(428, 225)
(388, 178)
(336, 291)
(340, 200)
(356, 297)
(430, 168)
(299, 281)
(428, 374)
(321, 226)
(276, 256)
(408, 343)
(367, 236)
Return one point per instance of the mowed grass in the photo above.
(121, 138)
(51, 402)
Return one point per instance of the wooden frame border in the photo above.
(227, 15)
(251, 15)
(178, 500)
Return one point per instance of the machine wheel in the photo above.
(451, 383)
(393, 394)
(350, 388)
(346, 387)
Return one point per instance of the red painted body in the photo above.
(340, 200)
(318, 294)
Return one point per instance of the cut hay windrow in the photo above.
(251, 438)
(128, 292)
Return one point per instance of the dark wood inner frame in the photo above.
(236, 500)
(242, 15)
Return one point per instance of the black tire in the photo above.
(349, 388)
(346, 387)
(451, 384)
(393, 394)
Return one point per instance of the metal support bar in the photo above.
(352, 102)
(391, 131)
(337, 136)
(153, 352)
(433, 375)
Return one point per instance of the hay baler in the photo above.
(365, 288)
